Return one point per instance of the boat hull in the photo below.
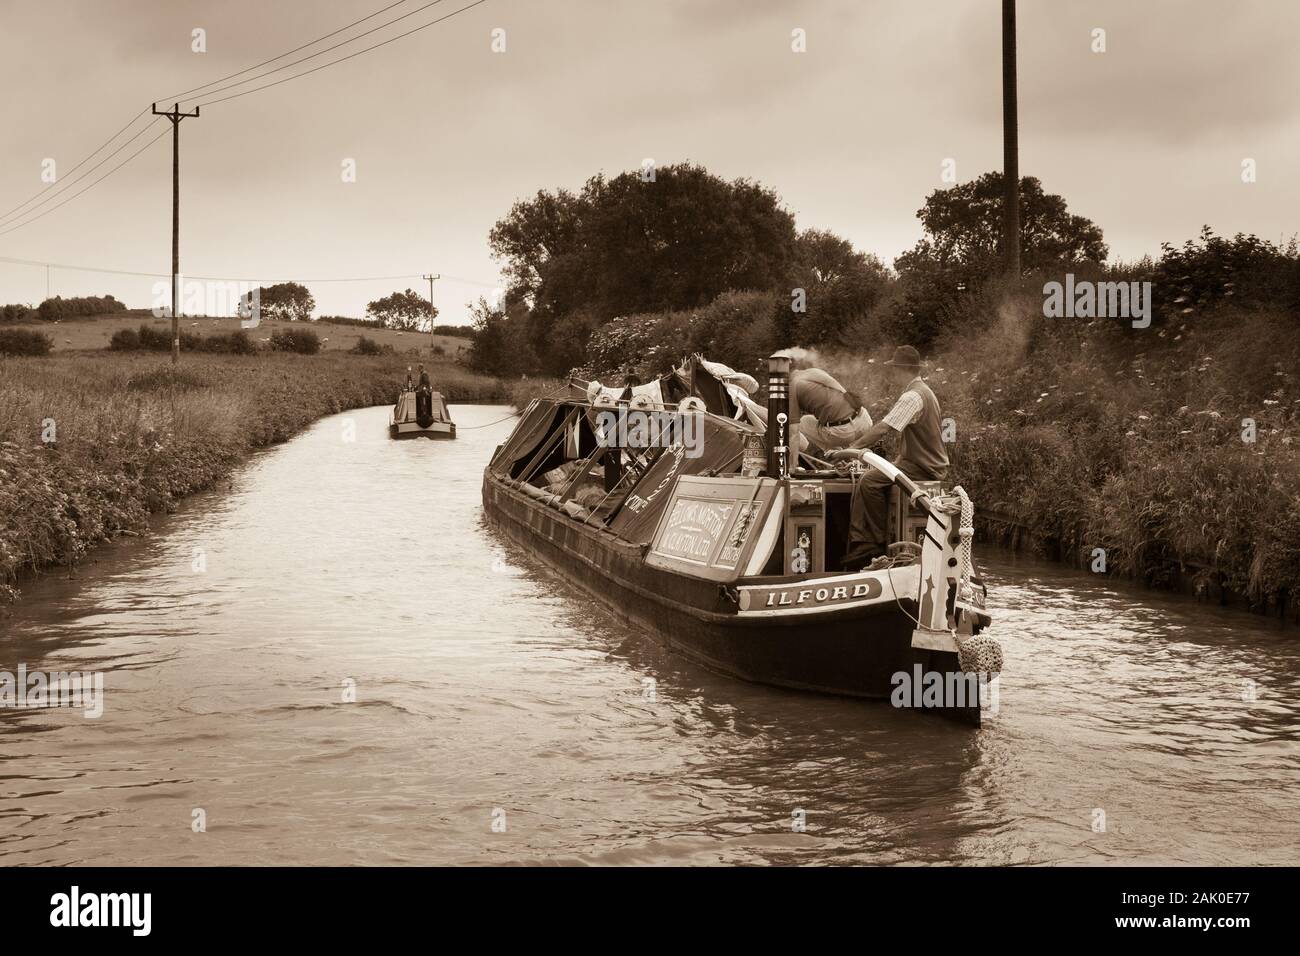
(848, 651)
(436, 430)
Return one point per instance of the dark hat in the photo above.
(906, 357)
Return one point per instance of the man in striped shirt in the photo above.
(921, 456)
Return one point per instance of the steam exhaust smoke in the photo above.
(802, 357)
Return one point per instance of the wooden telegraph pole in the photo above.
(175, 115)
(431, 278)
(1010, 144)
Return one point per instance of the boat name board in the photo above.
(790, 596)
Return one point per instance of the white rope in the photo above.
(966, 531)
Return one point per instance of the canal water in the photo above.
(333, 661)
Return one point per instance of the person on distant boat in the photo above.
(829, 415)
(921, 456)
(424, 379)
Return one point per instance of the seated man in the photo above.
(829, 415)
(921, 456)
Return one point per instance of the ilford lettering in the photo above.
(794, 597)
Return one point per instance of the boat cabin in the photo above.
(671, 499)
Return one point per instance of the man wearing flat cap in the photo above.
(921, 456)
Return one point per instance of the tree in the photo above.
(962, 248)
(840, 284)
(630, 245)
(285, 302)
(963, 227)
(533, 234)
(499, 345)
(408, 311)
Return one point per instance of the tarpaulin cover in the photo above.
(537, 423)
(722, 449)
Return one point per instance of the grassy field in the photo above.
(92, 444)
(94, 333)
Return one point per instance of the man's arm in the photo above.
(905, 411)
(872, 435)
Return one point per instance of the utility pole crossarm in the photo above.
(174, 114)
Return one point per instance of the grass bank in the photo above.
(93, 444)
(520, 391)
(1170, 456)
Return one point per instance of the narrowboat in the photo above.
(420, 413)
(686, 512)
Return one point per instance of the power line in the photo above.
(91, 186)
(323, 66)
(65, 182)
(313, 56)
(162, 275)
(79, 165)
(369, 16)
(256, 89)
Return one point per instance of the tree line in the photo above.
(406, 311)
(637, 271)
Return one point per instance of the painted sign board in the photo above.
(710, 525)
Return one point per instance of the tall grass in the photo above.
(91, 445)
(1097, 436)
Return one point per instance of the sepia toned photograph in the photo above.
(650, 434)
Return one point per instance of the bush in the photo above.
(344, 320)
(367, 346)
(60, 308)
(736, 328)
(151, 339)
(236, 343)
(125, 340)
(1207, 271)
(16, 313)
(24, 342)
(302, 341)
(154, 339)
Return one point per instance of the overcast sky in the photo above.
(1147, 139)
